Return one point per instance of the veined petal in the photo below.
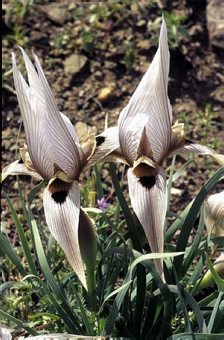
(33, 79)
(130, 133)
(177, 136)
(18, 168)
(62, 207)
(106, 143)
(148, 199)
(74, 136)
(70, 128)
(53, 134)
(108, 140)
(66, 150)
(201, 150)
(150, 99)
(116, 157)
(38, 89)
(33, 114)
(190, 147)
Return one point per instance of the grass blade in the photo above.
(170, 180)
(18, 322)
(215, 313)
(126, 211)
(178, 223)
(99, 187)
(85, 317)
(55, 302)
(7, 249)
(218, 280)
(140, 299)
(22, 236)
(34, 191)
(200, 320)
(193, 250)
(121, 292)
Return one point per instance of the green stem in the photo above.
(91, 286)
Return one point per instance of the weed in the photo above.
(206, 121)
(129, 57)
(175, 27)
(87, 41)
(16, 12)
(61, 39)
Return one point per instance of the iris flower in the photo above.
(145, 138)
(53, 153)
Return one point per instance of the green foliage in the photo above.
(130, 300)
(16, 12)
(205, 122)
(129, 56)
(175, 27)
(5, 76)
(88, 192)
(103, 10)
(61, 39)
(99, 11)
(87, 41)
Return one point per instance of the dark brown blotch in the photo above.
(147, 181)
(100, 140)
(59, 196)
(59, 190)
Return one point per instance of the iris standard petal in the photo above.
(33, 79)
(150, 99)
(158, 128)
(130, 133)
(70, 128)
(149, 201)
(33, 114)
(62, 208)
(74, 136)
(37, 87)
(66, 150)
(40, 115)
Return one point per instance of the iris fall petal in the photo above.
(149, 201)
(62, 209)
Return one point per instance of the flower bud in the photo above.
(214, 214)
(208, 279)
(88, 247)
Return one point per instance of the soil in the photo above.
(117, 52)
